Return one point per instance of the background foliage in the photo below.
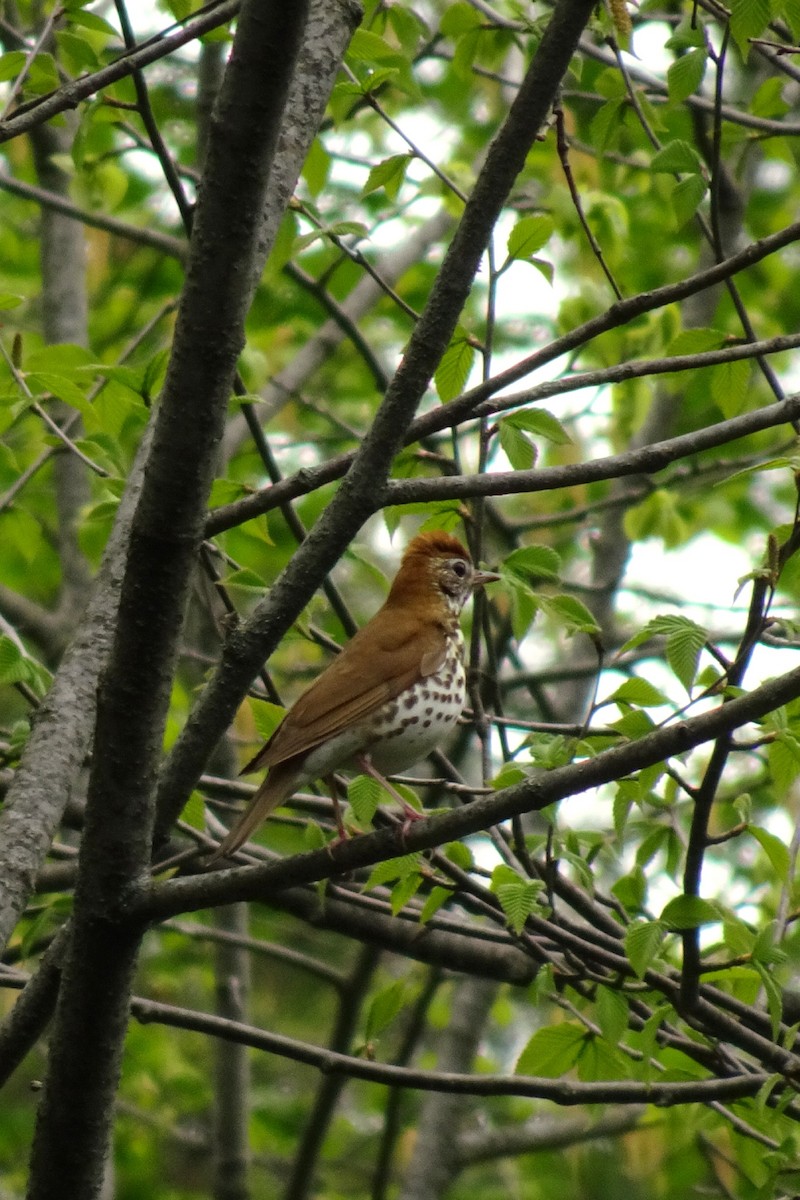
(527, 997)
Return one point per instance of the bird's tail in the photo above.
(277, 787)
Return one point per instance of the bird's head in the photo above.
(436, 566)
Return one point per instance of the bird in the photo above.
(389, 696)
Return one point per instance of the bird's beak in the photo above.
(481, 578)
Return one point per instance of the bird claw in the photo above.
(410, 815)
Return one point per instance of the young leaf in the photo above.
(685, 640)
(571, 613)
(453, 371)
(774, 997)
(403, 890)
(640, 692)
(518, 896)
(541, 423)
(529, 235)
(388, 174)
(438, 897)
(532, 565)
(552, 1051)
(266, 716)
(460, 855)
(675, 158)
(612, 1013)
(194, 811)
(729, 386)
(686, 197)
(642, 942)
(384, 1008)
(689, 912)
(517, 447)
(364, 794)
(749, 19)
(775, 850)
(391, 869)
(685, 75)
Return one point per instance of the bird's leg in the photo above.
(364, 764)
(342, 835)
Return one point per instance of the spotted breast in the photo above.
(391, 694)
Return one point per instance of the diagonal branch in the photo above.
(355, 500)
(532, 795)
(43, 108)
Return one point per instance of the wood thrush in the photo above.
(388, 698)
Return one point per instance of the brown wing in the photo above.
(392, 652)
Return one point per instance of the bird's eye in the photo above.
(459, 567)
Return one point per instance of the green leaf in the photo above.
(685, 75)
(508, 775)
(244, 580)
(774, 997)
(392, 869)
(13, 664)
(783, 755)
(685, 640)
(77, 15)
(612, 1013)
(642, 942)
(367, 46)
(624, 799)
(439, 896)
(606, 123)
(695, 341)
(790, 9)
(749, 19)
(639, 692)
(43, 74)
(529, 235)
(340, 229)
(532, 565)
(403, 890)
(730, 386)
(518, 896)
(765, 948)
(599, 1060)
(266, 717)
(552, 1051)
(460, 855)
(459, 18)
(11, 64)
(77, 52)
(364, 794)
(517, 447)
(686, 198)
(689, 912)
(676, 158)
(544, 267)
(571, 613)
(549, 750)
(388, 174)
(769, 100)
(316, 168)
(194, 811)
(631, 890)
(657, 516)
(453, 371)
(541, 423)
(775, 850)
(385, 1008)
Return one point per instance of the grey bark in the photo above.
(74, 1119)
